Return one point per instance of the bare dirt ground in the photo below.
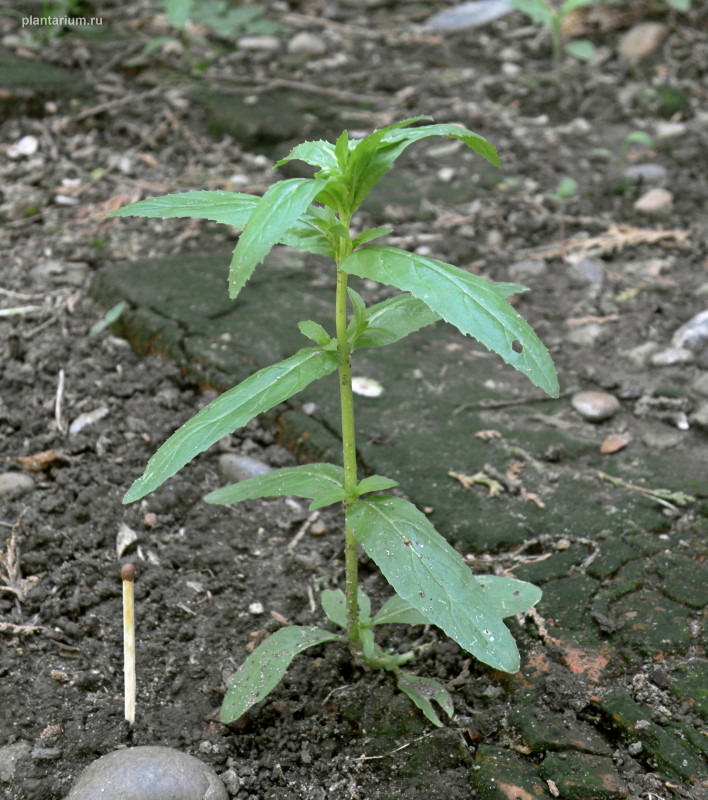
(211, 581)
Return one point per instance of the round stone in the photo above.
(148, 773)
(235, 468)
(595, 406)
(15, 484)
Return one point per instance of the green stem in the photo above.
(351, 579)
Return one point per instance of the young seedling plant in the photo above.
(431, 582)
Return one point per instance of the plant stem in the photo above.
(351, 580)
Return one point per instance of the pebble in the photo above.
(700, 416)
(255, 609)
(269, 44)
(366, 387)
(595, 406)
(647, 173)
(529, 267)
(318, 528)
(655, 201)
(694, 334)
(467, 15)
(235, 468)
(587, 270)
(10, 754)
(662, 438)
(307, 44)
(701, 384)
(26, 146)
(586, 335)
(672, 356)
(641, 41)
(641, 354)
(87, 418)
(148, 773)
(15, 484)
(670, 130)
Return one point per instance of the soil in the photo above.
(213, 582)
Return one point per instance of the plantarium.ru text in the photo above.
(431, 581)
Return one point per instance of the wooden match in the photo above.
(127, 575)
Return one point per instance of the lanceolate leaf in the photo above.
(278, 210)
(466, 301)
(334, 604)
(508, 596)
(231, 208)
(308, 480)
(422, 691)
(425, 570)
(396, 139)
(397, 610)
(318, 154)
(261, 391)
(261, 672)
(393, 319)
(375, 483)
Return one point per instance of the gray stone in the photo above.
(588, 270)
(235, 468)
(641, 41)
(672, 356)
(647, 173)
(468, 15)
(15, 484)
(595, 406)
(526, 268)
(269, 44)
(654, 202)
(148, 773)
(307, 44)
(694, 334)
(700, 416)
(701, 384)
(586, 335)
(641, 354)
(10, 754)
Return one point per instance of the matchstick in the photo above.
(127, 575)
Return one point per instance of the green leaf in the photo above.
(375, 483)
(317, 154)
(422, 691)
(259, 392)
(261, 672)
(639, 137)
(112, 315)
(393, 319)
(508, 596)
(178, 11)
(537, 11)
(276, 213)
(308, 480)
(508, 289)
(396, 610)
(570, 5)
(327, 498)
(375, 155)
(464, 300)
(230, 208)
(313, 330)
(427, 572)
(566, 188)
(369, 235)
(334, 604)
(341, 151)
(582, 49)
(307, 235)
(368, 643)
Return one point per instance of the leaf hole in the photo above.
(517, 347)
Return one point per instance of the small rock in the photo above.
(231, 780)
(701, 384)
(662, 438)
(694, 334)
(586, 335)
(527, 268)
(237, 468)
(655, 201)
(587, 270)
(614, 443)
(641, 354)
(255, 609)
(269, 44)
(467, 15)
(670, 130)
(595, 406)
(646, 173)
(125, 539)
(700, 416)
(318, 528)
(307, 44)
(148, 773)
(15, 484)
(26, 146)
(87, 418)
(672, 356)
(367, 387)
(641, 41)
(10, 754)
